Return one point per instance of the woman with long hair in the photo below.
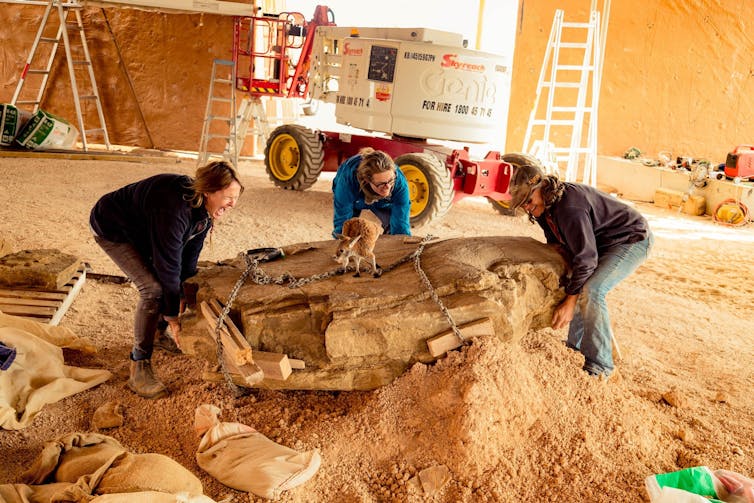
(154, 230)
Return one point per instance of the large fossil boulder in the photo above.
(363, 332)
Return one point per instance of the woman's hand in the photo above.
(563, 314)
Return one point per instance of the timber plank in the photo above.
(48, 306)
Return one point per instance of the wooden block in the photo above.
(297, 364)
(238, 356)
(446, 341)
(674, 199)
(274, 365)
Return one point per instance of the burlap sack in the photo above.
(244, 459)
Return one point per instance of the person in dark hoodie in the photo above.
(370, 180)
(602, 239)
(154, 230)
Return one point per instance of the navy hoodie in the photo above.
(155, 216)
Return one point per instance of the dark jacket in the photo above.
(348, 199)
(155, 216)
(587, 223)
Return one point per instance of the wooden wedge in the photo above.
(238, 359)
(446, 341)
(273, 365)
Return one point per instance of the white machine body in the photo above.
(423, 90)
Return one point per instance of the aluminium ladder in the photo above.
(83, 60)
(234, 121)
(569, 79)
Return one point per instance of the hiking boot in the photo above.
(143, 382)
(165, 342)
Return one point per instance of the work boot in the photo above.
(143, 382)
(165, 342)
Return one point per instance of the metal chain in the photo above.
(251, 264)
(259, 277)
(428, 285)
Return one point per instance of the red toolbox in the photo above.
(740, 162)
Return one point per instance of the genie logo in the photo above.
(450, 61)
(347, 51)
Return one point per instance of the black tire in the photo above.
(516, 160)
(430, 187)
(293, 157)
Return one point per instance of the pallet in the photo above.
(44, 306)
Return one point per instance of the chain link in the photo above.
(428, 285)
(238, 391)
(259, 277)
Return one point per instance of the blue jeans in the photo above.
(138, 271)
(590, 331)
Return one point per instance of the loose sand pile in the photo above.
(510, 422)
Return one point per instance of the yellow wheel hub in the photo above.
(283, 157)
(418, 188)
(502, 204)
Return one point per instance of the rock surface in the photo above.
(43, 269)
(359, 333)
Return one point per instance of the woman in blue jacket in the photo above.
(370, 180)
(154, 230)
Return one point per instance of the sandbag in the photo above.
(83, 467)
(242, 458)
(36, 377)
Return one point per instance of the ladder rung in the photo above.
(575, 67)
(576, 25)
(223, 62)
(96, 130)
(88, 97)
(224, 81)
(49, 39)
(81, 63)
(224, 100)
(561, 84)
(38, 72)
(218, 118)
(571, 109)
(213, 135)
(27, 102)
(573, 45)
(577, 150)
(554, 122)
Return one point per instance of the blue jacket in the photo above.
(587, 223)
(155, 216)
(348, 199)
